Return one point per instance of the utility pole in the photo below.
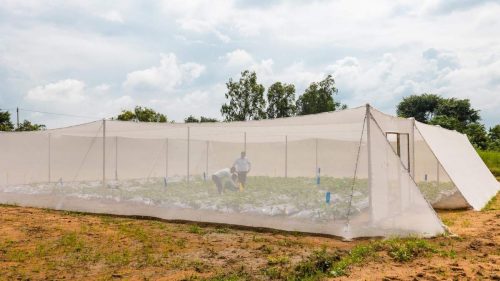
(17, 113)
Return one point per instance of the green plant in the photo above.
(403, 250)
(195, 229)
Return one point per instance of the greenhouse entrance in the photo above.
(400, 142)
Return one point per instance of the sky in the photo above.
(95, 58)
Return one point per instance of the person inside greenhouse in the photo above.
(242, 166)
(225, 179)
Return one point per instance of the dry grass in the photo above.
(38, 244)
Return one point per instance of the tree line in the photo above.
(247, 99)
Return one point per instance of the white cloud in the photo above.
(64, 91)
(113, 16)
(168, 75)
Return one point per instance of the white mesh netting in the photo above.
(309, 174)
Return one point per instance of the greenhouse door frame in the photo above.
(398, 146)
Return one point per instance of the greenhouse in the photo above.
(350, 173)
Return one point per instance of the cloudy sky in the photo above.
(95, 58)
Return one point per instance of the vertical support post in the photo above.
(103, 152)
(245, 142)
(368, 147)
(437, 172)
(316, 156)
(166, 158)
(116, 158)
(412, 150)
(286, 156)
(49, 160)
(188, 148)
(17, 114)
(206, 164)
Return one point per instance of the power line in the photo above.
(61, 114)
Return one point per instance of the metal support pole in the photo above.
(286, 156)
(166, 158)
(316, 156)
(103, 152)
(368, 147)
(116, 158)
(188, 148)
(49, 164)
(412, 144)
(245, 142)
(17, 114)
(206, 164)
(437, 172)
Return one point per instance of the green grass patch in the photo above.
(404, 250)
(493, 204)
(492, 160)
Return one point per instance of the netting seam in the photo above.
(87, 153)
(355, 171)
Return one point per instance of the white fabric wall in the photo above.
(462, 163)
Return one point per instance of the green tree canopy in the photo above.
(477, 135)
(142, 114)
(28, 126)
(421, 107)
(5, 124)
(246, 99)
(203, 119)
(450, 113)
(494, 132)
(281, 100)
(319, 97)
(494, 138)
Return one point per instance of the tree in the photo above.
(28, 126)
(421, 107)
(449, 113)
(461, 110)
(203, 119)
(5, 124)
(142, 115)
(494, 132)
(494, 138)
(477, 135)
(318, 97)
(191, 119)
(246, 99)
(281, 100)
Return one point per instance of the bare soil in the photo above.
(38, 244)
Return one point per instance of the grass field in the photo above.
(37, 244)
(492, 160)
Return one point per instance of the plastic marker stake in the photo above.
(425, 177)
(204, 176)
(327, 199)
(165, 182)
(318, 177)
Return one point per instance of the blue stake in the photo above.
(318, 177)
(327, 197)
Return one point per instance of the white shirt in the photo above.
(242, 165)
(224, 173)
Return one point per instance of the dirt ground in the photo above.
(38, 244)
